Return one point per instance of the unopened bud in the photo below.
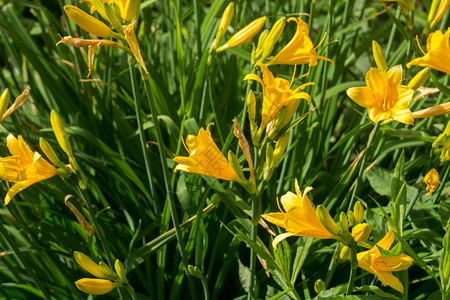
(280, 148)
(224, 23)
(48, 151)
(345, 253)
(120, 269)
(107, 270)
(319, 286)
(327, 221)
(272, 37)
(442, 9)
(4, 101)
(112, 12)
(361, 232)
(132, 9)
(195, 271)
(343, 221)
(359, 212)
(232, 159)
(95, 286)
(420, 78)
(351, 217)
(251, 108)
(244, 35)
(379, 57)
(87, 264)
(88, 22)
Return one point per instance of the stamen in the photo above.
(293, 76)
(323, 38)
(417, 39)
(185, 146)
(278, 204)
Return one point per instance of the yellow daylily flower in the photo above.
(276, 94)
(300, 50)
(96, 286)
(300, 218)
(384, 96)
(205, 157)
(438, 53)
(373, 262)
(24, 167)
(431, 179)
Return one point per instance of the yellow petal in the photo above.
(388, 279)
(281, 237)
(275, 218)
(361, 95)
(395, 74)
(87, 264)
(17, 188)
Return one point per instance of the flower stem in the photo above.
(354, 266)
(165, 169)
(252, 252)
(137, 108)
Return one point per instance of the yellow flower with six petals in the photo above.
(300, 218)
(24, 167)
(373, 262)
(384, 96)
(205, 157)
(276, 94)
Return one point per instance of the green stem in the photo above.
(354, 266)
(165, 169)
(372, 136)
(252, 252)
(205, 288)
(137, 108)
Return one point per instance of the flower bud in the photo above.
(319, 286)
(327, 221)
(251, 108)
(60, 133)
(88, 22)
(244, 35)
(343, 221)
(351, 217)
(256, 54)
(359, 212)
(361, 232)
(442, 9)
(132, 9)
(431, 179)
(20, 100)
(87, 264)
(48, 151)
(280, 148)
(420, 78)
(345, 253)
(112, 12)
(4, 101)
(269, 155)
(195, 271)
(96, 286)
(232, 159)
(224, 23)
(107, 270)
(272, 38)
(120, 269)
(379, 57)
